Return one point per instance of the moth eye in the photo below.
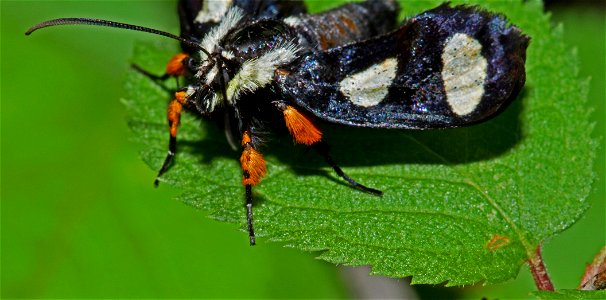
(191, 63)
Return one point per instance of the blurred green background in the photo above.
(80, 216)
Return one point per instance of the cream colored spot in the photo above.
(292, 21)
(369, 87)
(213, 11)
(463, 72)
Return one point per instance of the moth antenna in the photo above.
(107, 23)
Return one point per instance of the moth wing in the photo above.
(188, 11)
(447, 67)
(347, 23)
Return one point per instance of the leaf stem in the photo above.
(595, 273)
(539, 272)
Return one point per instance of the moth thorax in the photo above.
(257, 39)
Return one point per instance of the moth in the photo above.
(266, 65)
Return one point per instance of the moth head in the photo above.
(235, 47)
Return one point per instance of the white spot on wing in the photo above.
(463, 72)
(293, 21)
(213, 11)
(369, 87)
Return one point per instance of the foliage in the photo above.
(462, 205)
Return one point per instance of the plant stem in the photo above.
(539, 272)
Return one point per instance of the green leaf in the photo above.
(460, 206)
(570, 294)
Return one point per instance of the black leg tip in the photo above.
(156, 182)
(376, 192)
(368, 190)
(148, 74)
(252, 241)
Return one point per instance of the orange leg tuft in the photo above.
(245, 138)
(253, 166)
(175, 107)
(300, 127)
(174, 116)
(181, 96)
(252, 162)
(175, 66)
(253, 170)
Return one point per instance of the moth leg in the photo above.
(253, 169)
(175, 67)
(322, 148)
(300, 127)
(305, 132)
(175, 107)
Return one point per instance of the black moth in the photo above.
(252, 62)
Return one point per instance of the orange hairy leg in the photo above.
(176, 65)
(300, 127)
(253, 169)
(175, 107)
(252, 162)
(174, 68)
(305, 132)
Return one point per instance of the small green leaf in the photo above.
(570, 294)
(460, 206)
